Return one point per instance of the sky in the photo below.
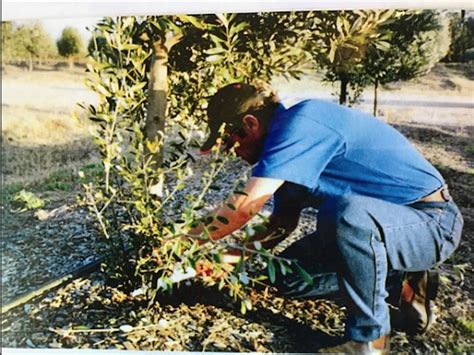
(55, 26)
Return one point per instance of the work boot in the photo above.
(378, 346)
(416, 307)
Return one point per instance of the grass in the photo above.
(469, 149)
(66, 182)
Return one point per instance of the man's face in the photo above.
(250, 138)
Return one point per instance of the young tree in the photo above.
(30, 42)
(341, 40)
(188, 58)
(70, 44)
(419, 39)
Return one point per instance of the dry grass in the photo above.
(454, 79)
(40, 133)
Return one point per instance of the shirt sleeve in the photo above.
(297, 149)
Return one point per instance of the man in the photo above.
(382, 208)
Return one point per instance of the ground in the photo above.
(44, 149)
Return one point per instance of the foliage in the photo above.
(341, 40)
(70, 43)
(419, 39)
(29, 200)
(418, 42)
(462, 36)
(371, 47)
(144, 211)
(7, 43)
(26, 41)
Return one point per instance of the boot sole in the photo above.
(403, 322)
(431, 293)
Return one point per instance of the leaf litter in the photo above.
(88, 313)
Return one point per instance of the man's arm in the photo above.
(239, 208)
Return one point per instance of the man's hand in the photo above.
(207, 269)
(204, 268)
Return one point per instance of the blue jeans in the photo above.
(359, 243)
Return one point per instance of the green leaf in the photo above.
(215, 58)
(259, 228)
(304, 274)
(238, 28)
(248, 304)
(231, 206)
(222, 219)
(126, 328)
(239, 192)
(223, 19)
(217, 40)
(271, 271)
(243, 307)
(193, 21)
(82, 327)
(215, 50)
(130, 46)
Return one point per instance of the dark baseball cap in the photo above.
(228, 106)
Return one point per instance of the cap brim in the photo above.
(210, 142)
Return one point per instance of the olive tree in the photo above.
(28, 42)
(419, 39)
(152, 68)
(69, 44)
(341, 40)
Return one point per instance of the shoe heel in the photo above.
(432, 285)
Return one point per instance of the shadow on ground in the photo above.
(22, 162)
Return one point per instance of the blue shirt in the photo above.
(332, 150)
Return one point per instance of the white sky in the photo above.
(55, 26)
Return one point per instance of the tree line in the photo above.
(30, 43)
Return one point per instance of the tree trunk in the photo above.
(71, 62)
(376, 86)
(30, 64)
(157, 94)
(343, 93)
(462, 54)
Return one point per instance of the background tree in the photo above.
(341, 39)
(70, 44)
(28, 42)
(418, 40)
(462, 36)
(7, 42)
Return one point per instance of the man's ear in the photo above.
(250, 122)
